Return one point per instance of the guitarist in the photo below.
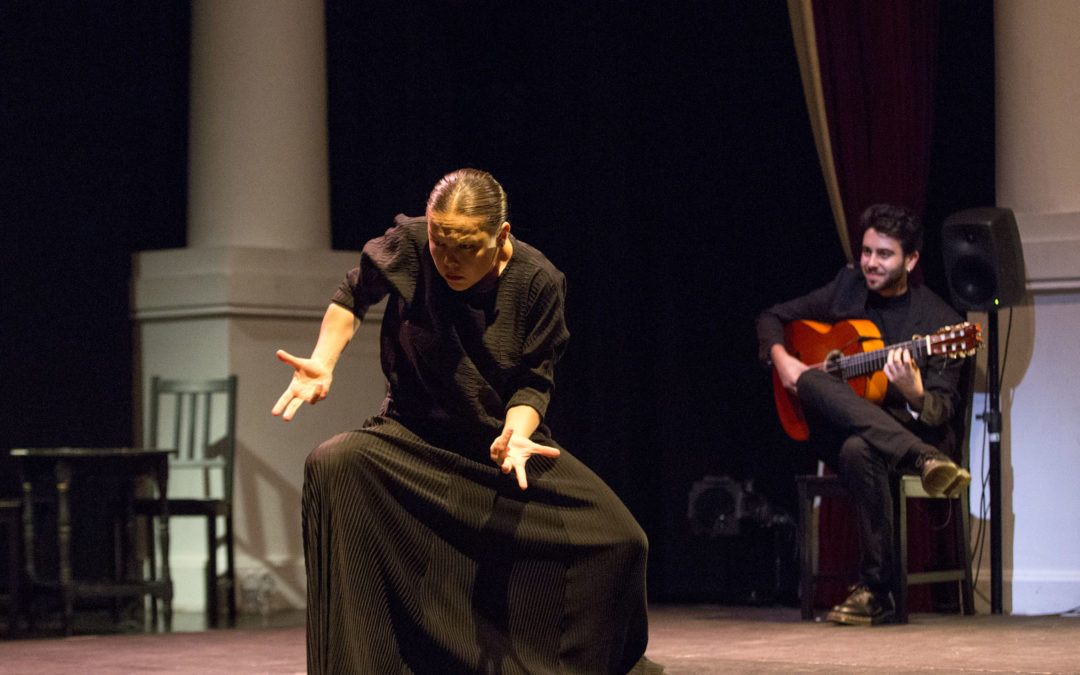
(864, 443)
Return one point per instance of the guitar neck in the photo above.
(866, 363)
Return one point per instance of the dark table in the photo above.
(66, 465)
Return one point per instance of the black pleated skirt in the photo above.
(420, 560)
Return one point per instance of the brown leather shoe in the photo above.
(864, 608)
(941, 476)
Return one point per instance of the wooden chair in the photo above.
(906, 487)
(198, 419)
(910, 487)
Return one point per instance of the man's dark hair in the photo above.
(897, 222)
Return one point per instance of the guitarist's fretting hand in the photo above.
(787, 367)
(904, 373)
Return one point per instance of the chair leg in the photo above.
(151, 554)
(963, 549)
(807, 546)
(14, 576)
(901, 552)
(230, 570)
(211, 571)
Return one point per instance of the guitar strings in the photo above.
(865, 363)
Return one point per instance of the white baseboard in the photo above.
(1031, 592)
(1045, 591)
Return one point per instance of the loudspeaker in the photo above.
(984, 264)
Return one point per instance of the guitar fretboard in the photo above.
(858, 365)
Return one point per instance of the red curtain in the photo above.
(877, 61)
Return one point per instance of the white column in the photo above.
(258, 149)
(257, 275)
(1038, 176)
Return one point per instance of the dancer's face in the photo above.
(463, 252)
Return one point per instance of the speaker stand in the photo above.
(993, 425)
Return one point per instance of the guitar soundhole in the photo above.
(832, 363)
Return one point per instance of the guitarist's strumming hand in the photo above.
(787, 367)
(904, 373)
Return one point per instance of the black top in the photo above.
(456, 360)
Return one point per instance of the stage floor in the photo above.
(687, 640)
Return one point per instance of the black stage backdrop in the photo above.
(659, 153)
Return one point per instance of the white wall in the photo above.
(1038, 177)
(211, 312)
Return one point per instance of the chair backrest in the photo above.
(197, 418)
(962, 420)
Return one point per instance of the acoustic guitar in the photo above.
(854, 351)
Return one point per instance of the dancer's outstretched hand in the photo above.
(310, 382)
(510, 453)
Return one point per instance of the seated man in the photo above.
(911, 431)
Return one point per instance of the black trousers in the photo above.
(866, 447)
